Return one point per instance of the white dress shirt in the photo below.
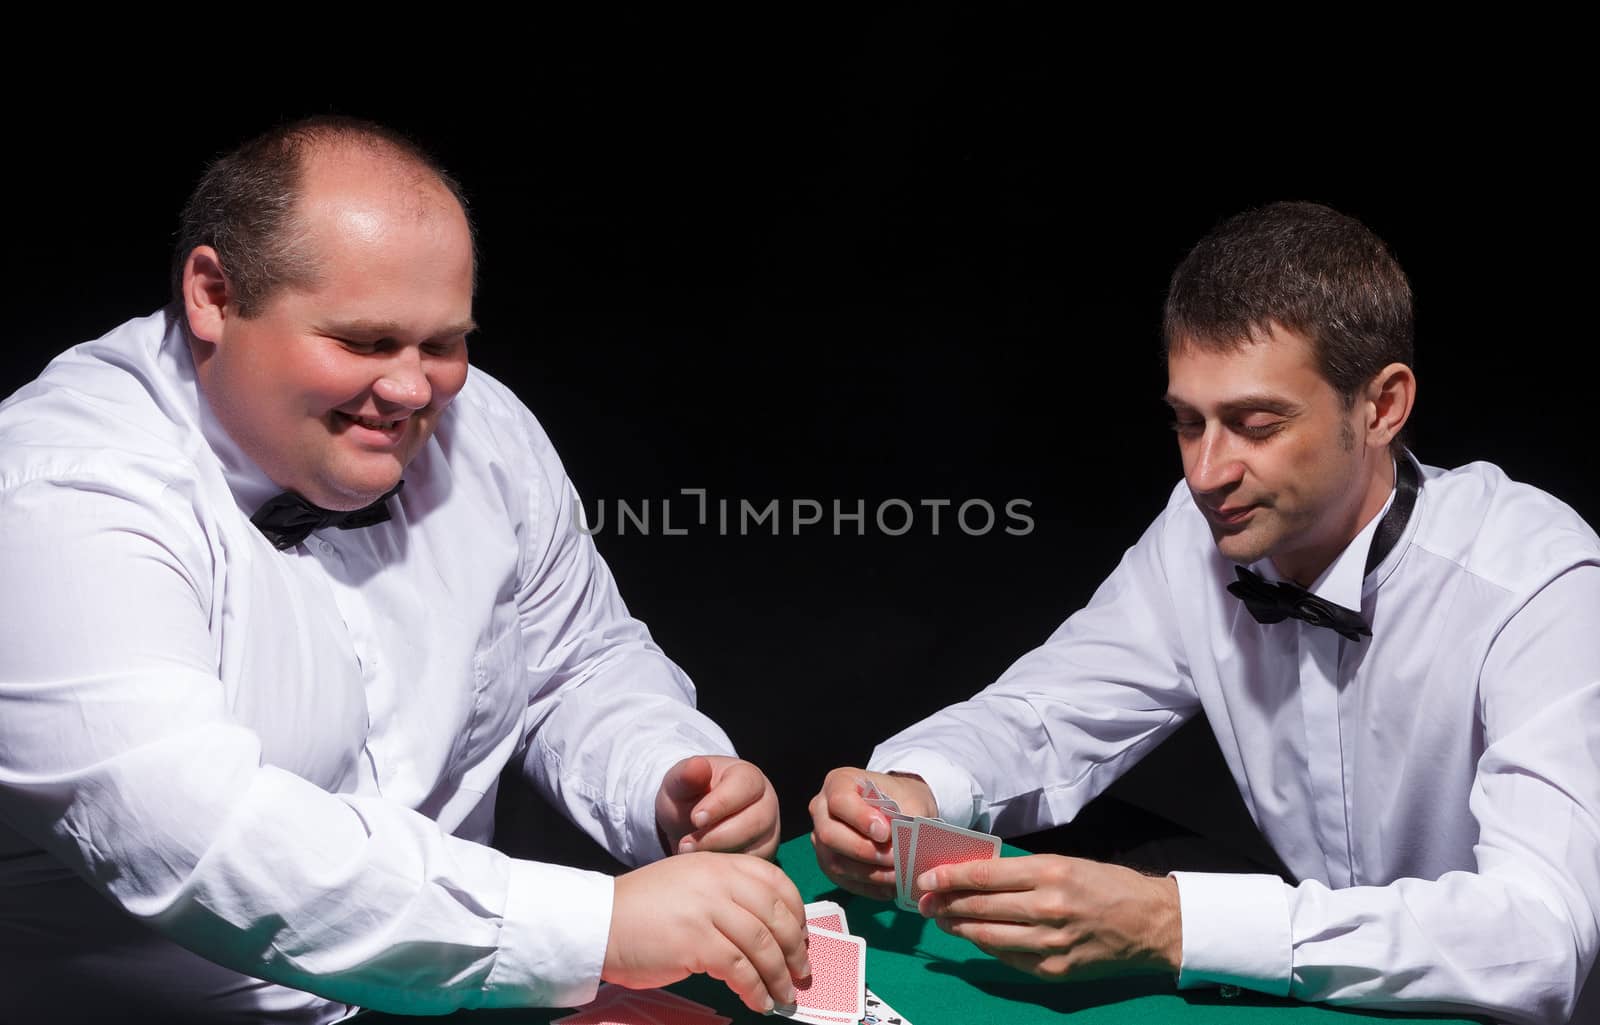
(1435, 787)
(286, 761)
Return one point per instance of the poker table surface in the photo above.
(933, 978)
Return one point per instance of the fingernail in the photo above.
(879, 831)
(701, 818)
(686, 847)
(767, 1005)
(925, 881)
(805, 970)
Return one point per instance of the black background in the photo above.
(916, 254)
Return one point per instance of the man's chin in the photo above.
(1241, 547)
(349, 495)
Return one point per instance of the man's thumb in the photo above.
(689, 780)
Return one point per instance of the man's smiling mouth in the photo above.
(375, 424)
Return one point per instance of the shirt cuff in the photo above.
(954, 790)
(553, 938)
(1235, 931)
(692, 736)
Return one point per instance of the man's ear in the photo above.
(206, 294)
(1389, 397)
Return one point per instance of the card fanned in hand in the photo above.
(935, 843)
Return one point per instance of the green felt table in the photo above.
(933, 978)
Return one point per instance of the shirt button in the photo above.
(327, 549)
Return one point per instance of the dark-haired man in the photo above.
(255, 696)
(1398, 662)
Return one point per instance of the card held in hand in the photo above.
(935, 843)
(837, 987)
(900, 844)
(825, 914)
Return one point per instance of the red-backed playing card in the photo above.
(900, 843)
(672, 1014)
(838, 977)
(617, 1005)
(825, 914)
(935, 843)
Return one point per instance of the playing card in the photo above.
(838, 978)
(620, 1014)
(900, 842)
(825, 914)
(626, 1013)
(671, 1014)
(880, 1013)
(617, 1005)
(662, 997)
(607, 995)
(935, 843)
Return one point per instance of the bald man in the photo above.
(286, 587)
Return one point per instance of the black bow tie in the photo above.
(287, 519)
(1273, 603)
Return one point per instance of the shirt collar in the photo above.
(248, 483)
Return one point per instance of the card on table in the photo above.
(935, 843)
(880, 1013)
(617, 1005)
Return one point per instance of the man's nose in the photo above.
(1214, 462)
(404, 380)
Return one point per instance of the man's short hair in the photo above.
(1308, 268)
(244, 205)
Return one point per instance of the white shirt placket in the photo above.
(1325, 756)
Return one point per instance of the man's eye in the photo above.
(1188, 427)
(1259, 431)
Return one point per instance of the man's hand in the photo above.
(1058, 917)
(715, 803)
(730, 916)
(851, 837)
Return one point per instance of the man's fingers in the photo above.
(770, 940)
(840, 837)
(1020, 906)
(843, 802)
(987, 874)
(995, 937)
(688, 780)
(786, 890)
(741, 832)
(727, 962)
(791, 934)
(867, 880)
(740, 785)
